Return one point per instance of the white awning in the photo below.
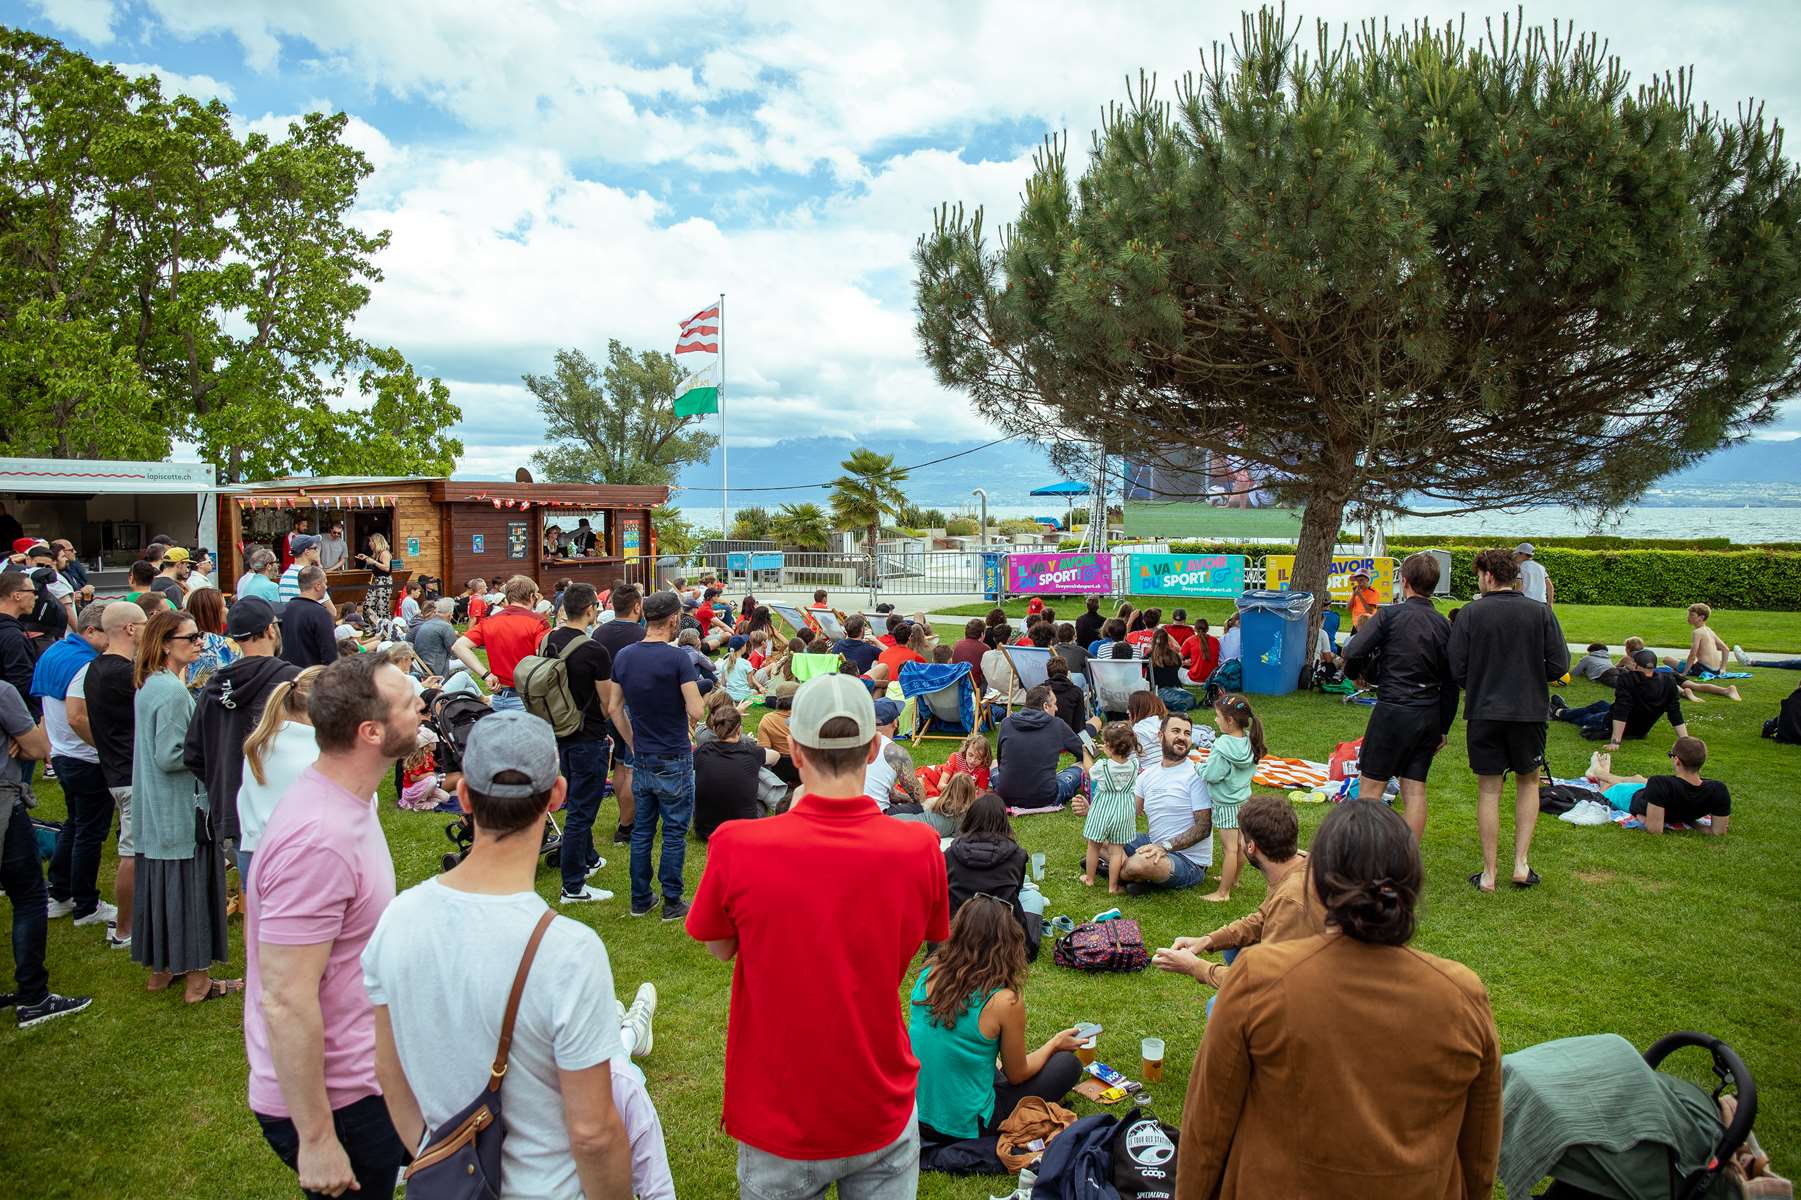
(65, 476)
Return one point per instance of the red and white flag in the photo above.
(700, 333)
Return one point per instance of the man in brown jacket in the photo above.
(1290, 909)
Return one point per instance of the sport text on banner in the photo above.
(1187, 574)
(1279, 574)
(1060, 574)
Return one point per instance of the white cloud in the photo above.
(201, 87)
(91, 20)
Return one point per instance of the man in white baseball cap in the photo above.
(1535, 581)
(822, 908)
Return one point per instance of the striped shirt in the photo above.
(289, 588)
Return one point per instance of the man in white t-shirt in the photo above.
(440, 997)
(889, 777)
(1535, 581)
(1178, 812)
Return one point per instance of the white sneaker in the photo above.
(1743, 659)
(582, 897)
(60, 908)
(114, 942)
(597, 866)
(103, 914)
(638, 1019)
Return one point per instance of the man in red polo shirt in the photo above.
(509, 634)
(819, 1075)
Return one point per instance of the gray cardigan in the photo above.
(164, 793)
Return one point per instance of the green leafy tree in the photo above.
(201, 286)
(868, 491)
(751, 524)
(675, 533)
(801, 526)
(1390, 265)
(617, 424)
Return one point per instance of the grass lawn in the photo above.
(1758, 632)
(141, 1096)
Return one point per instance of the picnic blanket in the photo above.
(1274, 772)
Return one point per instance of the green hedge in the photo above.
(1754, 579)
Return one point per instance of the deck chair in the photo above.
(806, 666)
(828, 622)
(1113, 680)
(944, 700)
(1029, 665)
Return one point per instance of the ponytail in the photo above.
(1255, 730)
(287, 701)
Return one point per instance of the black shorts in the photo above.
(1497, 747)
(1400, 742)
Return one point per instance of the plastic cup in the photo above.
(1085, 1052)
(1038, 865)
(1152, 1050)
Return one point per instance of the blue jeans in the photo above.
(1781, 664)
(1182, 872)
(22, 878)
(504, 699)
(1589, 716)
(585, 767)
(1070, 782)
(890, 1173)
(244, 858)
(1225, 956)
(75, 866)
(662, 787)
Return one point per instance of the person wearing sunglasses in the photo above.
(178, 927)
(968, 1006)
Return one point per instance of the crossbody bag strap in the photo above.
(499, 1070)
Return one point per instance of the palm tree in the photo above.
(868, 490)
(801, 526)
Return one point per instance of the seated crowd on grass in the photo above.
(255, 734)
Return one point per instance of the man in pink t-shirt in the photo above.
(323, 877)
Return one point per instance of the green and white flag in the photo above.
(698, 394)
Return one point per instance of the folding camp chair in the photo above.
(1030, 667)
(950, 708)
(806, 666)
(1113, 680)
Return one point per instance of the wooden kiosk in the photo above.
(451, 530)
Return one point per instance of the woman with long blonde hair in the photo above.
(379, 562)
(178, 917)
(275, 753)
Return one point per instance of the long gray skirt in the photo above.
(178, 912)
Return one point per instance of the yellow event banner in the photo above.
(1278, 574)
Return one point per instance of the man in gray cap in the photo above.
(866, 890)
(306, 554)
(1535, 581)
(437, 998)
(661, 689)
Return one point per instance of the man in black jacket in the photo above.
(308, 633)
(17, 661)
(1405, 648)
(1505, 649)
(231, 704)
(1641, 695)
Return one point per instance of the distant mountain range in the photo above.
(1011, 470)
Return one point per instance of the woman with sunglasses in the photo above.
(967, 1006)
(178, 922)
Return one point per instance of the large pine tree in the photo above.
(1389, 265)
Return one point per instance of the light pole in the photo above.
(982, 529)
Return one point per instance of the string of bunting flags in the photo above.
(522, 505)
(317, 501)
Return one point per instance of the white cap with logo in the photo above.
(824, 697)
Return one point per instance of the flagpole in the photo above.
(725, 461)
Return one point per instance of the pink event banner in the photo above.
(1059, 574)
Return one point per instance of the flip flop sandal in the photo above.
(1531, 879)
(1476, 882)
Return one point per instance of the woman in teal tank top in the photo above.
(966, 1009)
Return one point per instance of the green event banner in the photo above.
(1186, 574)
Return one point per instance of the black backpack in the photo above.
(47, 615)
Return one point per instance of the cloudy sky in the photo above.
(559, 173)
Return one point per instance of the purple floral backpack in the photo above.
(1115, 945)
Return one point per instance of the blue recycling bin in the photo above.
(1273, 640)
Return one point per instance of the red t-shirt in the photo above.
(704, 614)
(1202, 653)
(895, 657)
(509, 635)
(886, 639)
(1179, 634)
(1140, 637)
(478, 608)
(829, 902)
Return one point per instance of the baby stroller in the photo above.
(451, 715)
(1603, 1122)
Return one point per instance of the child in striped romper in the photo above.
(1112, 813)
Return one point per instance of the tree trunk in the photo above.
(869, 537)
(1313, 556)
